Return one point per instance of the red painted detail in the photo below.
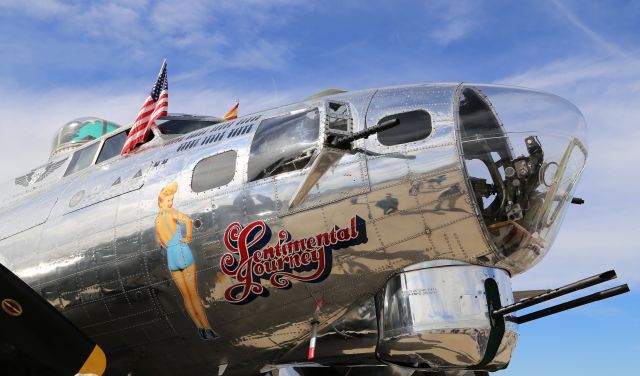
(11, 307)
(251, 258)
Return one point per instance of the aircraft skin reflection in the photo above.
(389, 204)
(406, 235)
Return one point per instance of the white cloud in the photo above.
(37, 8)
(197, 25)
(606, 91)
(454, 20)
(178, 16)
(261, 54)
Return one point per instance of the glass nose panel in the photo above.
(524, 152)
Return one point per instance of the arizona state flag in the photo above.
(233, 112)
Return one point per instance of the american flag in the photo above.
(155, 106)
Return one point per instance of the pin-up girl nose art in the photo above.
(169, 227)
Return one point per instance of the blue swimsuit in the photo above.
(179, 255)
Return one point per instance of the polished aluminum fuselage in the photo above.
(87, 242)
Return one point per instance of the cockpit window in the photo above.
(89, 130)
(78, 132)
(112, 147)
(82, 159)
(414, 126)
(284, 143)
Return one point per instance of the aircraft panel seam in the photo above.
(95, 268)
(440, 227)
(123, 329)
(322, 203)
(117, 319)
(408, 211)
(414, 149)
(124, 292)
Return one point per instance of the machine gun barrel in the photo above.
(345, 142)
(551, 294)
(604, 294)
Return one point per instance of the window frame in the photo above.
(104, 140)
(403, 144)
(322, 127)
(83, 148)
(233, 177)
(100, 141)
(333, 131)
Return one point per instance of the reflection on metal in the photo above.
(439, 317)
(321, 164)
(351, 338)
(26, 214)
(39, 174)
(95, 257)
(324, 93)
(526, 294)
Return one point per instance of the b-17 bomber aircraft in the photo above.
(372, 232)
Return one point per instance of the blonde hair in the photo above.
(168, 191)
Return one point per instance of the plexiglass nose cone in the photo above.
(524, 152)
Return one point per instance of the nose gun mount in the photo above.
(524, 152)
(432, 312)
(552, 294)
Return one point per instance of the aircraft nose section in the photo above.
(524, 152)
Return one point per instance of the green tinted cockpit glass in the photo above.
(80, 131)
(89, 131)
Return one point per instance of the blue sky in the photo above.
(62, 60)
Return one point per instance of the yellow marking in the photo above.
(95, 364)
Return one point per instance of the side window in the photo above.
(183, 126)
(82, 159)
(112, 147)
(282, 144)
(339, 117)
(214, 171)
(414, 126)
